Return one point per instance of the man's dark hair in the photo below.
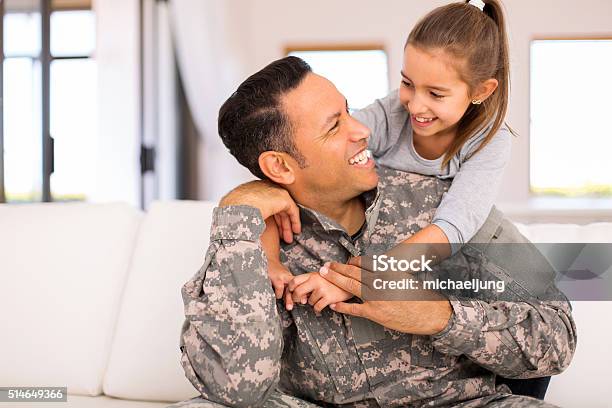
(253, 121)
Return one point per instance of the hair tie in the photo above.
(477, 3)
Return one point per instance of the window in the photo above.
(570, 137)
(22, 106)
(360, 73)
(73, 104)
(67, 99)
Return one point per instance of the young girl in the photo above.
(446, 120)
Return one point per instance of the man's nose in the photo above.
(358, 131)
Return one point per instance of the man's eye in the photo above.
(335, 126)
(407, 84)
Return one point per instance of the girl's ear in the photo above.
(276, 166)
(485, 89)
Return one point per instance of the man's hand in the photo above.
(424, 317)
(271, 200)
(355, 261)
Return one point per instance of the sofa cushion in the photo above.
(144, 362)
(63, 268)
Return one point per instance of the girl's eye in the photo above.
(407, 84)
(435, 95)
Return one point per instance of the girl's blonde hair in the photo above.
(478, 42)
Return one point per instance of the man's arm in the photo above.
(231, 340)
(520, 339)
(512, 339)
(529, 332)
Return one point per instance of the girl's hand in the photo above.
(313, 289)
(280, 277)
(287, 226)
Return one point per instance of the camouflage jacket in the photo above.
(239, 343)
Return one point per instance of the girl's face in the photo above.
(432, 92)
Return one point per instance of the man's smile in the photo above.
(361, 158)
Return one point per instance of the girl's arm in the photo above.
(438, 248)
(430, 241)
(464, 208)
(468, 202)
(278, 274)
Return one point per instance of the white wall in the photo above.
(270, 25)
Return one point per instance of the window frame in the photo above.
(335, 47)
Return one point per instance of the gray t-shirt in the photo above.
(465, 207)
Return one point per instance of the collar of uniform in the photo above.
(372, 202)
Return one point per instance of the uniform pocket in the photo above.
(325, 337)
(304, 371)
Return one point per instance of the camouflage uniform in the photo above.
(240, 347)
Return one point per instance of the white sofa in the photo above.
(90, 299)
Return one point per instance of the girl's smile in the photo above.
(421, 122)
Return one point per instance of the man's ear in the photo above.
(276, 166)
(485, 89)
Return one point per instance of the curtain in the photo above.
(210, 60)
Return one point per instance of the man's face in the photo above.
(330, 140)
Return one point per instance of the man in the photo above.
(241, 347)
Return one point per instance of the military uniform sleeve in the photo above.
(231, 341)
(511, 339)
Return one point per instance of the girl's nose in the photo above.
(416, 107)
